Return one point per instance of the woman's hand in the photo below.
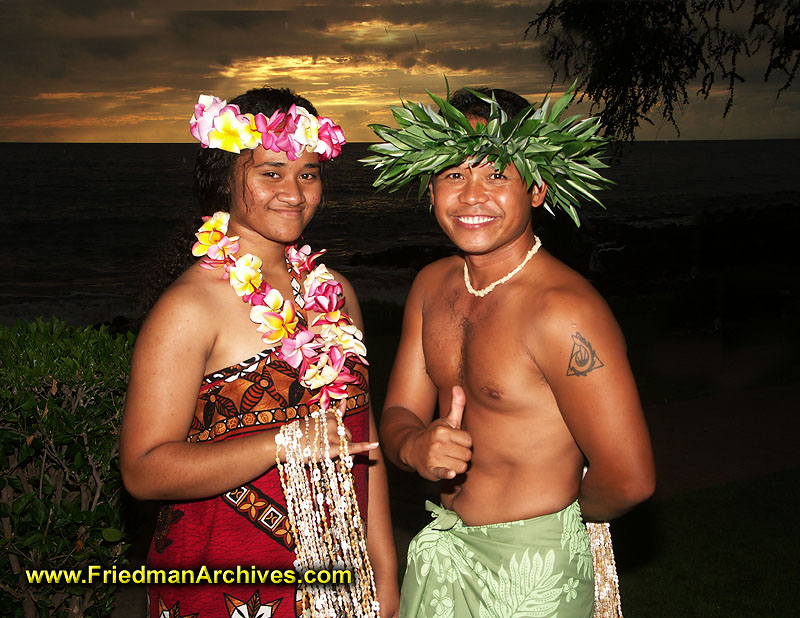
(311, 443)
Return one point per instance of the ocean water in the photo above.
(85, 222)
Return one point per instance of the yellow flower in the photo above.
(211, 233)
(276, 325)
(217, 221)
(233, 132)
(206, 240)
(246, 274)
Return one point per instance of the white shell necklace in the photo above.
(484, 291)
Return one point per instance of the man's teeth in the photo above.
(475, 220)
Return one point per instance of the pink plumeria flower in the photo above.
(335, 388)
(300, 350)
(302, 260)
(205, 110)
(259, 297)
(289, 129)
(322, 292)
(273, 133)
(268, 296)
(331, 138)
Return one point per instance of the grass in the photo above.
(728, 551)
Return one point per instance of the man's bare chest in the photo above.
(481, 343)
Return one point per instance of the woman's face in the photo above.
(273, 196)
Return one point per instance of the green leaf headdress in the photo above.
(542, 146)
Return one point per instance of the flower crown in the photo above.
(542, 146)
(218, 125)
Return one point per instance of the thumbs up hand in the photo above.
(443, 450)
(457, 404)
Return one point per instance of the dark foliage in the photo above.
(630, 56)
(61, 398)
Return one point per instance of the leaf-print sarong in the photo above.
(539, 567)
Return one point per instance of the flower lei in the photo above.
(318, 357)
(215, 124)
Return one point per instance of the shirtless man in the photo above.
(529, 367)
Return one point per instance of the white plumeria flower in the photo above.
(307, 132)
(245, 276)
(320, 373)
(318, 275)
(347, 336)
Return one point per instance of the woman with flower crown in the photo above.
(248, 409)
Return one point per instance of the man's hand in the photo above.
(443, 449)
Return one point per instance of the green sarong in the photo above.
(538, 567)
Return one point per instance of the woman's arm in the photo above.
(167, 369)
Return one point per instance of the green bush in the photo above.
(61, 398)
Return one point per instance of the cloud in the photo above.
(82, 96)
(65, 61)
(90, 8)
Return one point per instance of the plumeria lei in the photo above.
(215, 124)
(318, 357)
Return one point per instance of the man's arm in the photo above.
(411, 439)
(581, 352)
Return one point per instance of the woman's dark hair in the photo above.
(213, 175)
(470, 105)
(213, 169)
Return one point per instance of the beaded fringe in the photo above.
(607, 603)
(325, 520)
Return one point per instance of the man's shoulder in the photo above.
(437, 273)
(564, 296)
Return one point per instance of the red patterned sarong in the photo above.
(247, 526)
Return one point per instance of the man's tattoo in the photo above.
(583, 358)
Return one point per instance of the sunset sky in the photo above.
(131, 70)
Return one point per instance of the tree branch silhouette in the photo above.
(630, 56)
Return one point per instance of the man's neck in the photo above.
(486, 268)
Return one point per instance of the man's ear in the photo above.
(538, 193)
(430, 190)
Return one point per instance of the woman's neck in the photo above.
(270, 252)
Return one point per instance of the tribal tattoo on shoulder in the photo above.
(583, 358)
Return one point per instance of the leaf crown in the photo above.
(563, 153)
